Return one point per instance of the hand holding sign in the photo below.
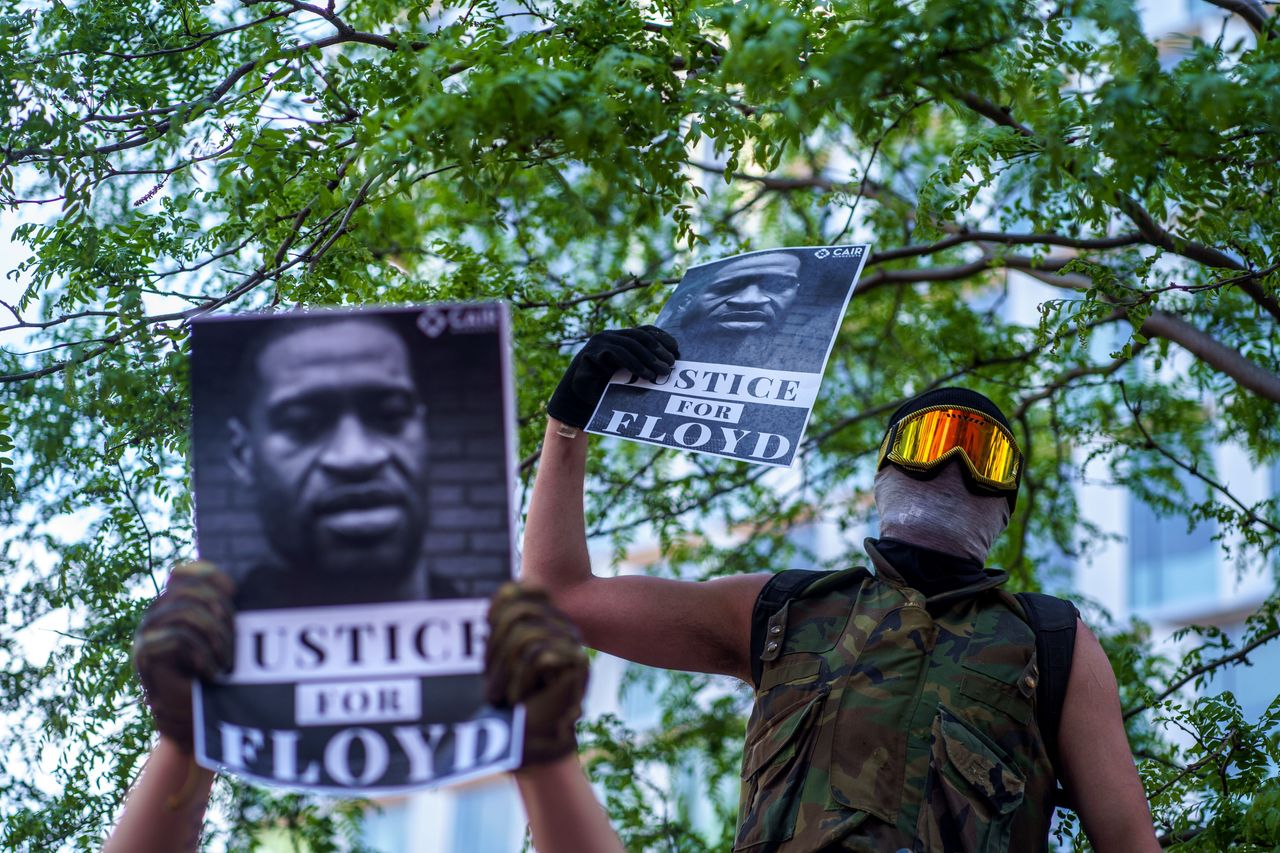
(646, 351)
(187, 633)
(534, 658)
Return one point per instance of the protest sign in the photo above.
(754, 332)
(353, 474)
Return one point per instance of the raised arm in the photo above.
(187, 633)
(700, 627)
(564, 814)
(534, 658)
(1096, 761)
(164, 811)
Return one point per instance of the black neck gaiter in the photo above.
(932, 572)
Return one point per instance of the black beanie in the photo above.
(953, 396)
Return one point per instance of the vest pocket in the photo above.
(971, 792)
(775, 763)
(1006, 696)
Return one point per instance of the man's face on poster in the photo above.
(333, 442)
(748, 295)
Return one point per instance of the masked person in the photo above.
(914, 707)
(533, 657)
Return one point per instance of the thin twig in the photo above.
(1249, 514)
(137, 510)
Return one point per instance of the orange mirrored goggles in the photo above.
(927, 438)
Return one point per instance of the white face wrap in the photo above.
(941, 513)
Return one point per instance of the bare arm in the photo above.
(1097, 764)
(699, 627)
(165, 807)
(564, 815)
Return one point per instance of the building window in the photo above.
(1200, 9)
(1169, 564)
(488, 817)
(1253, 683)
(385, 826)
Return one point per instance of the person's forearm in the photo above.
(555, 538)
(165, 807)
(564, 815)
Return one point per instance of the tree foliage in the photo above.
(164, 159)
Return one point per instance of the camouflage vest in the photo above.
(884, 721)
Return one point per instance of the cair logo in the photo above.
(458, 319)
(839, 252)
(433, 322)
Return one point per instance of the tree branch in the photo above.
(198, 40)
(1254, 14)
(261, 274)
(1173, 687)
(1152, 231)
(1220, 753)
(966, 236)
(960, 234)
(180, 112)
(622, 286)
(1249, 514)
(1066, 378)
(1218, 356)
(1157, 235)
(1158, 324)
(155, 131)
(999, 115)
(884, 278)
(1041, 269)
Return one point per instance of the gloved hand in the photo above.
(646, 351)
(534, 657)
(187, 633)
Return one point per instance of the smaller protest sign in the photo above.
(353, 474)
(755, 332)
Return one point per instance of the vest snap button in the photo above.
(772, 646)
(775, 630)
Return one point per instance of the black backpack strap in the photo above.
(780, 589)
(1054, 622)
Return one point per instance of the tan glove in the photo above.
(535, 657)
(188, 632)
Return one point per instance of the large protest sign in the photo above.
(754, 331)
(353, 474)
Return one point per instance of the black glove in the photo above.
(534, 657)
(646, 351)
(188, 632)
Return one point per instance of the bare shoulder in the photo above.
(1091, 671)
(740, 589)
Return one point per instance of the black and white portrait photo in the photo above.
(754, 333)
(777, 308)
(353, 476)
(348, 457)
